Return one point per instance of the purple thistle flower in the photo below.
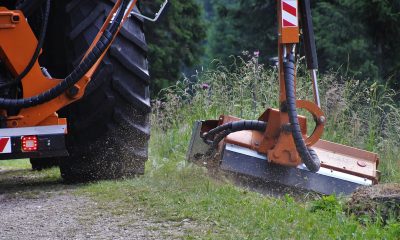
(256, 54)
(205, 86)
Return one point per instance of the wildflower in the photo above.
(256, 54)
(205, 86)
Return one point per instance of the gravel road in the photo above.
(31, 209)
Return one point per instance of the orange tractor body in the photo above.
(33, 36)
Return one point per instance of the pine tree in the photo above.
(382, 22)
(355, 37)
(175, 41)
(343, 41)
(243, 25)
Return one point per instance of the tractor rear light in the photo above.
(29, 143)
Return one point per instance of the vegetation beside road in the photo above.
(359, 115)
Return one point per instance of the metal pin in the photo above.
(284, 51)
(294, 48)
(315, 87)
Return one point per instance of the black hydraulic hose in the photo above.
(236, 127)
(219, 133)
(77, 73)
(35, 55)
(218, 138)
(308, 156)
(28, 7)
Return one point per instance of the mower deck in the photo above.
(343, 169)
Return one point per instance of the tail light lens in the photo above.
(29, 143)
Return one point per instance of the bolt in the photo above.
(15, 18)
(321, 120)
(287, 128)
(284, 107)
(361, 163)
(73, 91)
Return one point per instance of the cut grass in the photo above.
(179, 192)
(223, 211)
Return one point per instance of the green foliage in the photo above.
(243, 26)
(327, 204)
(175, 41)
(382, 19)
(343, 41)
(360, 38)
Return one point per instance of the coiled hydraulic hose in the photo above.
(77, 73)
(307, 155)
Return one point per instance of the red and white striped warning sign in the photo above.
(5, 145)
(289, 13)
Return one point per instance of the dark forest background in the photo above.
(356, 38)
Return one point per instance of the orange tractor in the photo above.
(74, 86)
(275, 148)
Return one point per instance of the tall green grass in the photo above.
(359, 114)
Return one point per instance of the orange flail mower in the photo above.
(98, 52)
(275, 147)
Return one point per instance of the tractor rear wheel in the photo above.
(109, 128)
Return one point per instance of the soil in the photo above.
(379, 201)
(32, 209)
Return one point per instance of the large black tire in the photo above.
(109, 128)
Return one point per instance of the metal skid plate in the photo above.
(255, 166)
(197, 147)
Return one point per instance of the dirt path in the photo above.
(47, 209)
